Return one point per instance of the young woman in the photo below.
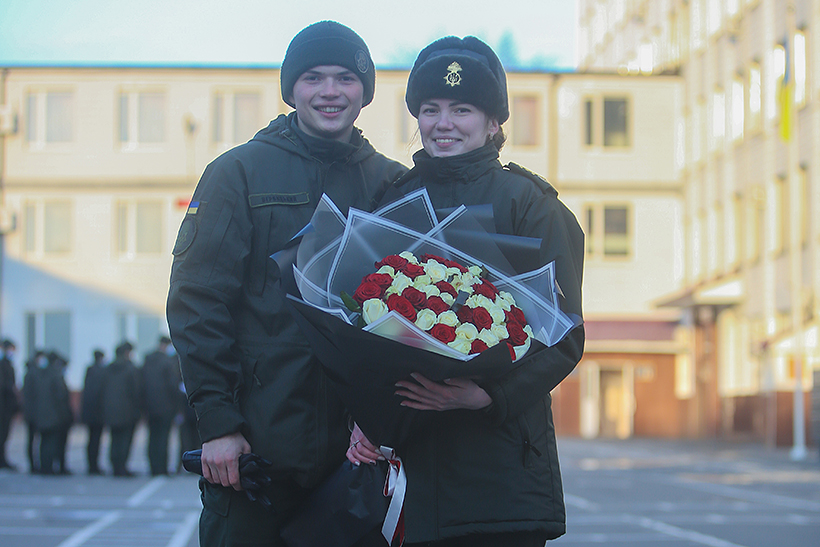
(485, 472)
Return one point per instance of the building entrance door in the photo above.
(611, 404)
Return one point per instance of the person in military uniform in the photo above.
(121, 406)
(9, 399)
(34, 370)
(160, 401)
(486, 475)
(248, 371)
(53, 415)
(91, 410)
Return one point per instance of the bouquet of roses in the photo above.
(467, 282)
(453, 304)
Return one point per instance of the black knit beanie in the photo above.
(327, 43)
(462, 69)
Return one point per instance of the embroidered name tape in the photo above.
(261, 200)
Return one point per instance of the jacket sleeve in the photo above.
(210, 261)
(538, 374)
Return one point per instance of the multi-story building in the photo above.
(98, 165)
(751, 181)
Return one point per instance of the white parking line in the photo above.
(81, 536)
(185, 530)
(681, 533)
(143, 493)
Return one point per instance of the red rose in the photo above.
(401, 305)
(482, 319)
(478, 346)
(366, 291)
(443, 286)
(415, 296)
(516, 333)
(412, 270)
(436, 304)
(425, 257)
(382, 280)
(456, 265)
(444, 333)
(515, 315)
(512, 351)
(465, 314)
(394, 261)
(486, 289)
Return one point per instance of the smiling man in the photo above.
(248, 372)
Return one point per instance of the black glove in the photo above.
(252, 476)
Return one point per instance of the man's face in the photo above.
(328, 100)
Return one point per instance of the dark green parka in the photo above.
(496, 470)
(121, 393)
(246, 366)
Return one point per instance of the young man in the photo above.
(248, 372)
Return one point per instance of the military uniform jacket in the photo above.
(160, 385)
(496, 470)
(245, 364)
(9, 404)
(120, 396)
(91, 408)
(52, 408)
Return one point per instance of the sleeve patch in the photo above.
(186, 235)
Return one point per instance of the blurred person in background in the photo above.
(34, 370)
(91, 410)
(160, 401)
(121, 407)
(53, 415)
(9, 399)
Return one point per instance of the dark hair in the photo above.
(499, 138)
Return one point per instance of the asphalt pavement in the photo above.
(618, 493)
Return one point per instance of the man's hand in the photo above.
(220, 459)
(452, 394)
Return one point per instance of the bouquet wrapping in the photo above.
(335, 253)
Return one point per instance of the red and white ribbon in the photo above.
(395, 485)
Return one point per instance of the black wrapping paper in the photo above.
(364, 368)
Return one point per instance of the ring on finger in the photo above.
(355, 443)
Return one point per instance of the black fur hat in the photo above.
(327, 43)
(465, 69)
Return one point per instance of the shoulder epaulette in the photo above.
(540, 181)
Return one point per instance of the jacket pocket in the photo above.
(216, 499)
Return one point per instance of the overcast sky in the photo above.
(526, 33)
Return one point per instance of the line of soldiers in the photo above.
(115, 396)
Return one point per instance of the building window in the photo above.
(783, 214)
(138, 227)
(48, 227)
(800, 68)
(774, 83)
(49, 329)
(49, 118)
(608, 233)
(738, 109)
(236, 116)
(525, 122)
(142, 118)
(614, 124)
(755, 96)
(143, 330)
(718, 119)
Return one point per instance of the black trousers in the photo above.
(505, 539)
(92, 449)
(5, 428)
(121, 437)
(159, 430)
(50, 449)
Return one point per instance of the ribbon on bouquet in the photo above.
(395, 486)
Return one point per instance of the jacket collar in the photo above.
(285, 133)
(462, 169)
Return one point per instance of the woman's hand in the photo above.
(452, 394)
(361, 449)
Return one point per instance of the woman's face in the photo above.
(449, 127)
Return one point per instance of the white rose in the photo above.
(479, 301)
(500, 332)
(448, 298)
(507, 297)
(452, 272)
(459, 285)
(528, 330)
(436, 271)
(468, 331)
(521, 350)
(475, 270)
(387, 270)
(497, 314)
(430, 290)
(462, 345)
(425, 319)
(373, 309)
(409, 257)
(422, 281)
(502, 303)
(488, 337)
(448, 318)
(401, 282)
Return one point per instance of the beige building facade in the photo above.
(98, 165)
(751, 183)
